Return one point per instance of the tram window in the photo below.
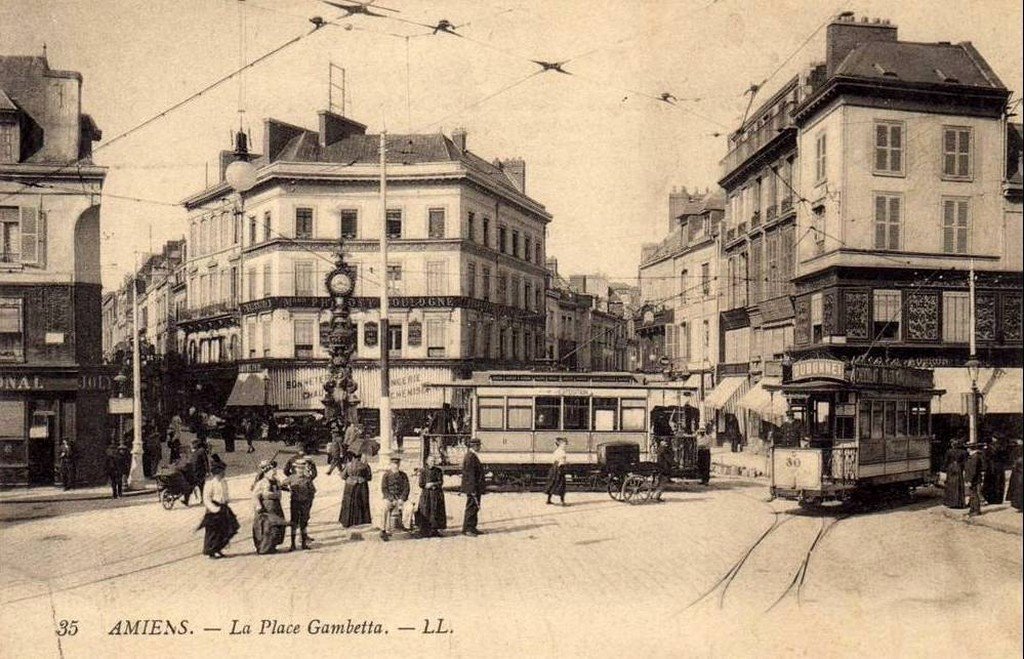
(634, 414)
(491, 413)
(577, 413)
(901, 418)
(865, 419)
(822, 418)
(605, 412)
(890, 418)
(918, 418)
(844, 421)
(520, 414)
(548, 412)
(877, 416)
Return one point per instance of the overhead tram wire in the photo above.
(134, 129)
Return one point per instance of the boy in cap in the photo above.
(300, 471)
(472, 487)
(395, 487)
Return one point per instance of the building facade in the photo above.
(905, 174)
(52, 384)
(677, 326)
(585, 329)
(465, 273)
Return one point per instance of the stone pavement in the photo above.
(597, 577)
(1002, 517)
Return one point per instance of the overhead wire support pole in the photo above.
(385, 332)
(135, 472)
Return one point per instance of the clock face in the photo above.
(341, 283)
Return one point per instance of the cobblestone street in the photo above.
(714, 571)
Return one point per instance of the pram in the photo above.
(176, 483)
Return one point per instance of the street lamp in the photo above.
(973, 366)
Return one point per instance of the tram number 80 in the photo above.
(793, 462)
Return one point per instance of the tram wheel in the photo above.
(635, 489)
(615, 490)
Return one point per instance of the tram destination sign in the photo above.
(894, 376)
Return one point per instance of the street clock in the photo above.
(341, 282)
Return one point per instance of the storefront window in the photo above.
(890, 418)
(12, 348)
(901, 418)
(548, 413)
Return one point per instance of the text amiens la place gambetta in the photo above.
(265, 627)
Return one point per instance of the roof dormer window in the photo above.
(10, 147)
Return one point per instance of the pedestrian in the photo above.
(355, 500)
(354, 438)
(472, 487)
(1014, 491)
(124, 453)
(114, 470)
(664, 461)
(995, 471)
(431, 516)
(268, 517)
(251, 428)
(174, 438)
(556, 474)
(335, 454)
(198, 466)
(394, 486)
(300, 472)
(219, 520)
(229, 430)
(67, 464)
(973, 473)
(703, 456)
(151, 451)
(956, 458)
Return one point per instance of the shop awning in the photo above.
(723, 391)
(250, 390)
(1002, 389)
(763, 402)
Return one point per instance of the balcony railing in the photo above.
(215, 309)
(786, 206)
(755, 220)
(754, 139)
(771, 213)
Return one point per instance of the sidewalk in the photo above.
(1002, 517)
(745, 463)
(54, 494)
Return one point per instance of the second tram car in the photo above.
(517, 415)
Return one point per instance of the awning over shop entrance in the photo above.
(1001, 387)
(250, 390)
(761, 401)
(723, 391)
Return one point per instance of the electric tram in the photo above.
(857, 427)
(517, 415)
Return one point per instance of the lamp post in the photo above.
(972, 364)
(135, 472)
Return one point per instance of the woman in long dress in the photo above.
(556, 475)
(956, 457)
(219, 520)
(430, 513)
(1015, 491)
(268, 520)
(355, 500)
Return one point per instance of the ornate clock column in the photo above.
(338, 335)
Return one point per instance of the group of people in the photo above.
(976, 473)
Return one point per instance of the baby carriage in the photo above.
(176, 483)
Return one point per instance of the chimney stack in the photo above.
(515, 170)
(845, 33)
(459, 138)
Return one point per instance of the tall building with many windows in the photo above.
(52, 387)
(465, 273)
(905, 188)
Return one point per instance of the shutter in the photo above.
(41, 239)
(29, 235)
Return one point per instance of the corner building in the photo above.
(465, 276)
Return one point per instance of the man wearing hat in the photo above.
(198, 465)
(394, 485)
(472, 487)
(973, 473)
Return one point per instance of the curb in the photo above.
(1000, 526)
(49, 498)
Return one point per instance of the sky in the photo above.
(602, 153)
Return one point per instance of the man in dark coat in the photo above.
(394, 487)
(114, 469)
(995, 471)
(956, 456)
(67, 464)
(1015, 491)
(790, 432)
(472, 487)
(973, 474)
(198, 466)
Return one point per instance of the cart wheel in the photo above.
(650, 487)
(633, 489)
(167, 499)
(615, 487)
